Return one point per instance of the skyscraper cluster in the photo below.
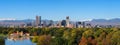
(40, 23)
(64, 23)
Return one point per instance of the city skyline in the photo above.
(59, 9)
(59, 22)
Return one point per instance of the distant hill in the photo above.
(104, 20)
(25, 21)
(115, 21)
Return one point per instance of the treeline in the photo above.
(70, 36)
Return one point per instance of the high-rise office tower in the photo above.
(38, 21)
(83, 24)
(67, 21)
(63, 23)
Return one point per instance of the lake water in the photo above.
(19, 42)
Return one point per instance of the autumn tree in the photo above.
(44, 40)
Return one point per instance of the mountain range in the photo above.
(115, 21)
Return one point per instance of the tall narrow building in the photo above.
(38, 21)
(67, 21)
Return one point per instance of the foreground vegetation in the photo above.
(69, 36)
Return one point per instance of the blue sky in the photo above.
(59, 9)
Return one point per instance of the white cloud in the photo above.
(86, 20)
(7, 19)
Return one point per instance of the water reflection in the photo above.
(19, 42)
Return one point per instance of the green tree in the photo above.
(2, 42)
(116, 38)
(35, 39)
(44, 40)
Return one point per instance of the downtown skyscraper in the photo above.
(67, 21)
(38, 21)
